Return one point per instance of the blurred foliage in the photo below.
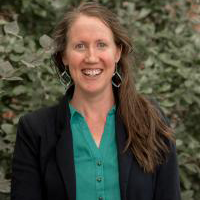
(166, 37)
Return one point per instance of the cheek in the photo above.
(74, 60)
(73, 70)
(109, 57)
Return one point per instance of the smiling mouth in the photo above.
(92, 72)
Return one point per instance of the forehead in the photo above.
(89, 27)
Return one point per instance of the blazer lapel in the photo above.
(124, 158)
(65, 157)
(64, 149)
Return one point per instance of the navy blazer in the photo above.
(43, 162)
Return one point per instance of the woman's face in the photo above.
(91, 55)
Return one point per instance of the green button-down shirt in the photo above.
(97, 175)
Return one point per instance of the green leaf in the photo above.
(18, 48)
(149, 62)
(12, 28)
(19, 90)
(164, 88)
(144, 13)
(5, 68)
(167, 103)
(197, 100)
(58, 4)
(197, 89)
(196, 40)
(14, 78)
(185, 179)
(3, 22)
(2, 49)
(189, 83)
(5, 186)
(11, 137)
(15, 57)
(180, 29)
(130, 7)
(27, 64)
(187, 195)
(147, 90)
(188, 98)
(45, 42)
(167, 60)
(184, 72)
(2, 145)
(7, 128)
(191, 167)
(179, 142)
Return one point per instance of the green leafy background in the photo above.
(166, 37)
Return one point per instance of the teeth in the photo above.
(92, 72)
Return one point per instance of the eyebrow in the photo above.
(83, 41)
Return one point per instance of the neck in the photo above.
(93, 106)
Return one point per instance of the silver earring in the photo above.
(66, 79)
(116, 79)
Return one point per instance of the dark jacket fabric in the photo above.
(43, 163)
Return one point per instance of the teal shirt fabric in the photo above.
(97, 175)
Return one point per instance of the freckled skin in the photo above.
(91, 46)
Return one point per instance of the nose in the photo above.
(91, 56)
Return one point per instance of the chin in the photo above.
(94, 88)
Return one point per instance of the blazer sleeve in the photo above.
(167, 185)
(26, 180)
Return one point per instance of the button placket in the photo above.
(99, 178)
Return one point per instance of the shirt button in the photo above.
(99, 179)
(99, 163)
(100, 198)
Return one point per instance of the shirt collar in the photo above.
(73, 111)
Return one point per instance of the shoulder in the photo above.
(39, 117)
(34, 126)
(46, 114)
(45, 120)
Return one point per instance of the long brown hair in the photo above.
(146, 129)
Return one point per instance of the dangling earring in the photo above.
(65, 78)
(116, 79)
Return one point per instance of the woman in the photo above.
(103, 140)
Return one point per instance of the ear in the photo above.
(118, 53)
